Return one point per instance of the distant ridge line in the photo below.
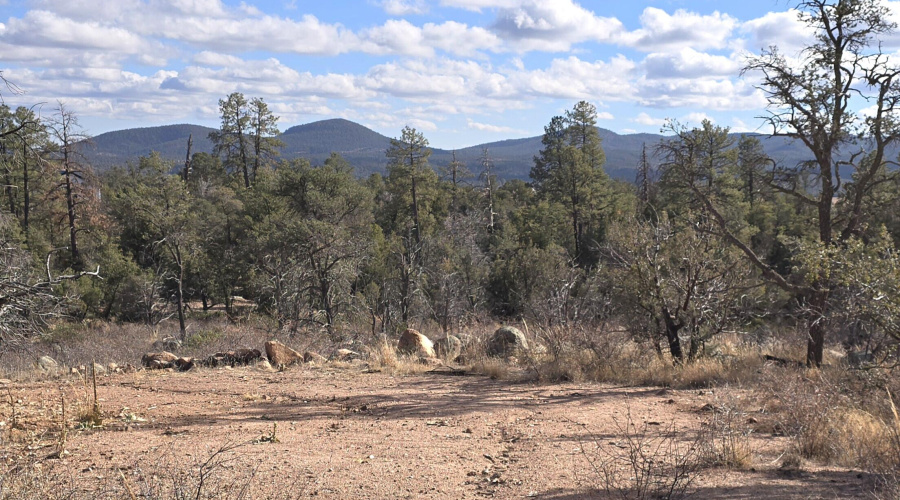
(364, 148)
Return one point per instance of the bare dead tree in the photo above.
(68, 134)
(28, 301)
(10, 86)
(186, 172)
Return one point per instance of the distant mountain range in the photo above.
(365, 148)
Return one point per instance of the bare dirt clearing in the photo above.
(340, 433)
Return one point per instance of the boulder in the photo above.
(217, 359)
(233, 358)
(448, 348)
(99, 369)
(158, 360)
(184, 364)
(47, 364)
(167, 344)
(413, 342)
(246, 356)
(281, 355)
(314, 357)
(507, 341)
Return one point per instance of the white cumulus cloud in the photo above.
(404, 7)
(552, 25)
(663, 31)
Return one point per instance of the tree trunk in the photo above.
(575, 218)
(243, 153)
(257, 145)
(672, 329)
(180, 299)
(25, 191)
(324, 290)
(70, 211)
(11, 197)
(490, 206)
(186, 172)
(415, 210)
(816, 342)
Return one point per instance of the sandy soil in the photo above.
(347, 433)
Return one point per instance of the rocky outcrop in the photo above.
(237, 357)
(184, 364)
(158, 360)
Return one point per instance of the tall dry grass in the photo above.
(837, 416)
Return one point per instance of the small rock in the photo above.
(99, 369)
(113, 368)
(264, 365)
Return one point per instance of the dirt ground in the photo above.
(347, 432)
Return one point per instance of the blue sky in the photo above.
(463, 72)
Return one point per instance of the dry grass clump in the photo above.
(836, 416)
(725, 438)
(573, 365)
(614, 357)
(384, 357)
(495, 368)
(29, 479)
(90, 414)
(851, 437)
